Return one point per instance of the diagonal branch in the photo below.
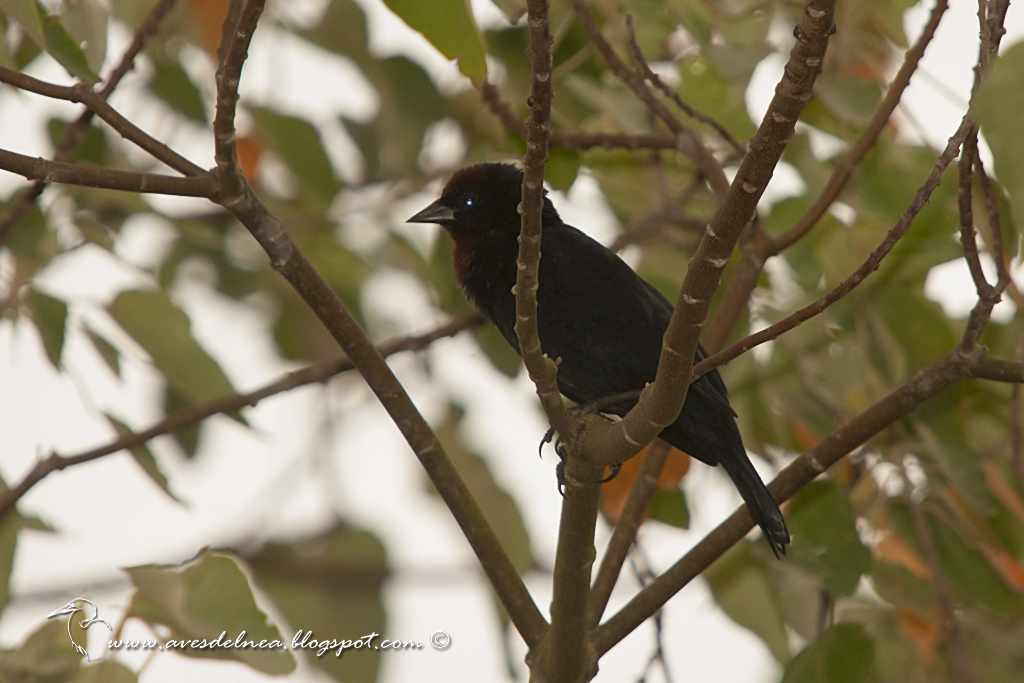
(192, 416)
(927, 382)
(688, 142)
(869, 266)
(81, 93)
(73, 133)
(734, 301)
(661, 401)
(235, 194)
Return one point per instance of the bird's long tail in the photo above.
(762, 506)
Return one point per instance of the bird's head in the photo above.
(480, 199)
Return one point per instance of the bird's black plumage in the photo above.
(594, 313)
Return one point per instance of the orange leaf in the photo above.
(923, 633)
(209, 15)
(894, 549)
(615, 491)
(1002, 490)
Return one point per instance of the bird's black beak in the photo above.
(435, 213)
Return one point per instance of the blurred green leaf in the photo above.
(164, 331)
(969, 571)
(330, 587)
(562, 167)
(449, 26)
(844, 654)
(50, 316)
(86, 22)
(298, 145)
(171, 84)
(46, 656)
(105, 671)
(670, 507)
(901, 587)
(999, 107)
(742, 587)
(144, 458)
(498, 507)
(203, 599)
(825, 539)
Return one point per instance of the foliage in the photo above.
(908, 556)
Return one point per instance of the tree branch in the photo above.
(571, 139)
(869, 266)
(237, 196)
(73, 133)
(927, 382)
(744, 281)
(109, 178)
(81, 93)
(688, 142)
(661, 401)
(693, 113)
(192, 416)
(626, 527)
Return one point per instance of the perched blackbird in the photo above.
(600, 318)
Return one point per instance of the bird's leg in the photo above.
(614, 473)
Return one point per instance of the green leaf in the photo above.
(172, 85)
(46, 655)
(107, 351)
(742, 587)
(298, 144)
(48, 33)
(670, 507)
(50, 316)
(105, 671)
(825, 539)
(999, 107)
(450, 27)
(144, 458)
(845, 654)
(202, 599)
(27, 13)
(562, 167)
(164, 331)
(331, 587)
(971, 574)
(498, 507)
(86, 22)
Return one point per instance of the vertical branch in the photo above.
(624, 533)
(542, 369)
(237, 196)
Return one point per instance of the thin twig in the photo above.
(870, 265)
(763, 247)
(626, 527)
(927, 382)
(192, 416)
(689, 143)
(237, 196)
(81, 93)
(47, 171)
(965, 198)
(687, 109)
(572, 139)
(73, 133)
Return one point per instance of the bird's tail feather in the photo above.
(762, 506)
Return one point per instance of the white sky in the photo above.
(313, 455)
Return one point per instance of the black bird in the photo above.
(599, 317)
